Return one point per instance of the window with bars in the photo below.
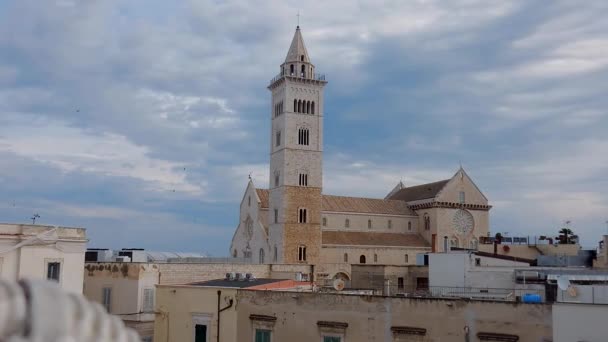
(53, 271)
(106, 298)
(148, 300)
(302, 253)
(303, 179)
(303, 136)
(302, 215)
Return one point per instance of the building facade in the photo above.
(295, 222)
(43, 252)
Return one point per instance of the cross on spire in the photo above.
(298, 15)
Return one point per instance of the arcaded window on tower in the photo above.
(276, 178)
(278, 138)
(303, 136)
(302, 58)
(307, 107)
(302, 215)
(303, 181)
(312, 108)
(291, 69)
(303, 71)
(295, 106)
(302, 253)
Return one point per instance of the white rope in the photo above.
(40, 311)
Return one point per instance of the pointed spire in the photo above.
(297, 49)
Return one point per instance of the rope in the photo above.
(37, 311)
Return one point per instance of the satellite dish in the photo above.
(563, 283)
(338, 284)
(572, 291)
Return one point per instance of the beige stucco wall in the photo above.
(602, 254)
(531, 251)
(579, 322)
(178, 307)
(31, 261)
(370, 318)
(461, 182)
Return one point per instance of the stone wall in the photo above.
(307, 234)
(373, 255)
(359, 222)
(374, 318)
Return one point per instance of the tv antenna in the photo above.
(33, 218)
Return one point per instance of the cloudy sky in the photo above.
(140, 120)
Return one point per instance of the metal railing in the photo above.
(477, 293)
(315, 76)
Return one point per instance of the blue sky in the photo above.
(140, 120)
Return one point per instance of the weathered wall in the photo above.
(531, 252)
(579, 322)
(180, 308)
(370, 318)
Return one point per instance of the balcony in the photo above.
(315, 77)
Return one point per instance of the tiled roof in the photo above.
(372, 239)
(365, 205)
(419, 192)
(263, 195)
(354, 204)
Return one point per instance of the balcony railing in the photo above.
(315, 76)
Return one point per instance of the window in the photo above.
(148, 300)
(106, 298)
(303, 179)
(299, 106)
(362, 259)
(146, 339)
(345, 257)
(276, 178)
(234, 253)
(276, 254)
(303, 71)
(332, 339)
(302, 58)
(307, 107)
(302, 253)
(400, 283)
(278, 138)
(409, 225)
(302, 215)
(200, 333)
(262, 335)
(249, 201)
(303, 136)
(291, 70)
(325, 222)
(276, 216)
(407, 258)
(461, 197)
(312, 108)
(53, 270)
(295, 106)
(369, 224)
(477, 261)
(390, 224)
(375, 257)
(427, 222)
(261, 257)
(347, 223)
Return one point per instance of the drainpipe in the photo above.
(219, 311)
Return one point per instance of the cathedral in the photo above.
(295, 222)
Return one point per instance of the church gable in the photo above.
(461, 184)
(419, 192)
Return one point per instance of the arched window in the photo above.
(407, 258)
(276, 178)
(303, 180)
(346, 223)
(302, 58)
(261, 256)
(303, 71)
(307, 107)
(276, 254)
(299, 106)
(345, 257)
(301, 253)
(409, 225)
(375, 257)
(234, 253)
(278, 138)
(312, 108)
(362, 259)
(369, 224)
(276, 216)
(302, 215)
(325, 222)
(390, 224)
(291, 69)
(427, 221)
(249, 201)
(295, 106)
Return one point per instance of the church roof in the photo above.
(365, 205)
(372, 239)
(353, 204)
(419, 192)
(297, 48)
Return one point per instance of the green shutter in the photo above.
(262, 335)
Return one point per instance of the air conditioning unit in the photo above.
(299, 276)
(243, 276)
(123, 259)
(249, 277)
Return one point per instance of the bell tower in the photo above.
(296, 158)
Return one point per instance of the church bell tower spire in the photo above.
(296, 158)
